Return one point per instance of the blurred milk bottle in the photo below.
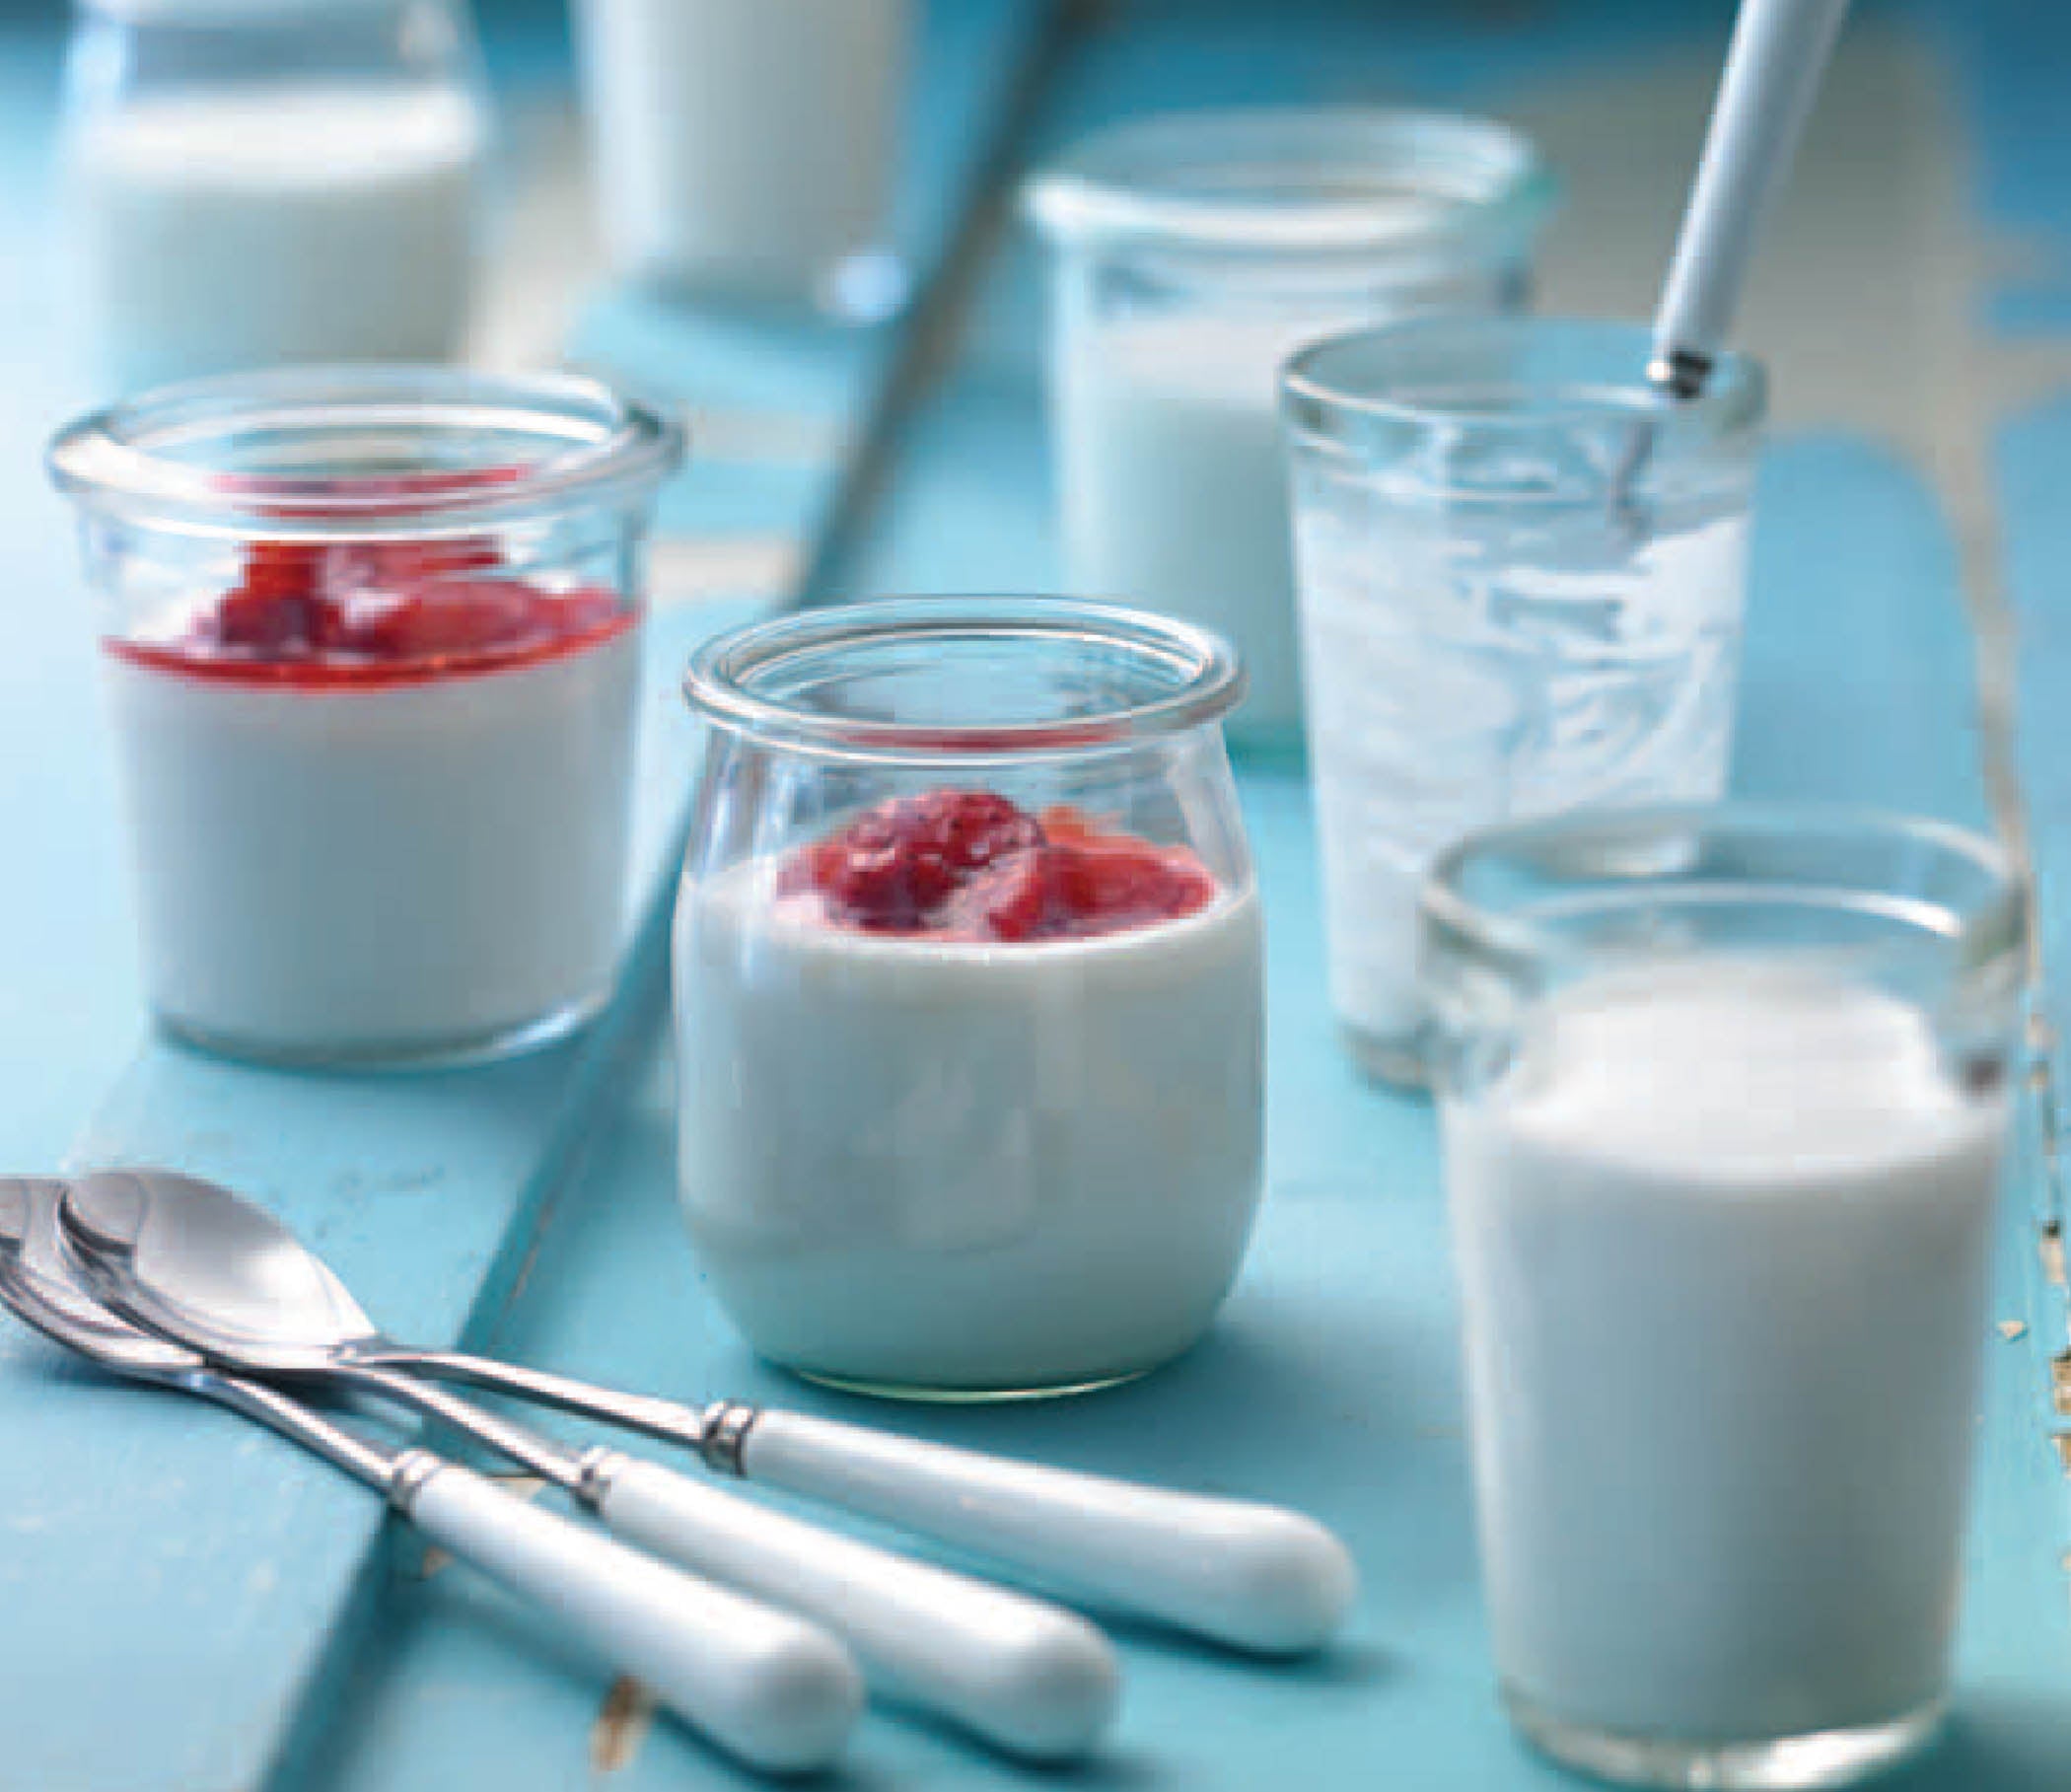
(748, 147)
(256, 182)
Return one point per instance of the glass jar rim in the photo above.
(1142, 181)
(1205, 679)
(1334, 380)
(137, 460)
(1991, 930)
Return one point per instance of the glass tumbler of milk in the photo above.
(257, 183)
(1521, 581)
(748, 148)
(1723, 1093)
(1191, 255)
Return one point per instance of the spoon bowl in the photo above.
(189, 1259)
(37, 1285)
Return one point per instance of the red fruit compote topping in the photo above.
(331, 615)
(969, 865)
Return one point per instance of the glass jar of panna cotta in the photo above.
(256, 183)
(1192, 255)
(1724, 1098)
(969, 995)
(371, 644)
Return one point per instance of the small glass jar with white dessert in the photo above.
(1192, 255)
(371, 642)
(968, 990)
(253, 183)
(1724, 1095)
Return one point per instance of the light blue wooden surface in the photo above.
(235, 1606)
(217, 1581)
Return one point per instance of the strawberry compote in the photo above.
(970, 865)
(380, 791)
(338, 614)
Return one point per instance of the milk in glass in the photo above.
(1723, 1232)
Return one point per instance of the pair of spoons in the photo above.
(773, 1690)
(190, 1262)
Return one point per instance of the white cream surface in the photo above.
(1723, 1235)
(378, 873)
(942, 1165)
(1174, 489)
(743, 143)
(247, 227)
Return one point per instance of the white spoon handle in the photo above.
(1779, 54)
(1260, 1577)
(1020, 1672)
(767, 1686)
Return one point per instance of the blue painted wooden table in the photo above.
(189, 1607)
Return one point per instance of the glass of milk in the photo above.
(1522, 582)
(256, 184)
(1723, 1093)
(749, 147)
(1192, 253)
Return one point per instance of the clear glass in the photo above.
(1724, 1096)
(1522, 574)
(981, 1155)
(254, 184)
(1192, 255)
(371, 644)
(749, 148)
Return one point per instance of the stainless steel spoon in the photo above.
(1020, 1672)
(189, 1259)
(773, 1690)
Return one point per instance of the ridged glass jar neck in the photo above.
(964, 680)
(335, 454)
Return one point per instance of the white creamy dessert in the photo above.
(745, 144)
(243, 227)
(1723, 1236)
(382, 871)
(948, 1165)
(1459, 673)
(1174, 487)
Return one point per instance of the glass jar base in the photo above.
(456, 1054)
(965, 1396)
(1783, 1764)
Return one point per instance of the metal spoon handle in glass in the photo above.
(1773, 69)
(773, 1690)
(1774, 66)
(1020, 1672)
(190, 1258)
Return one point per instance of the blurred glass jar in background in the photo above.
(256, 184)
(748, 147)
(1193, 254)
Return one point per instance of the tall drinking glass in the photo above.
(1193, 254)
(1522, 577)
(1723, 1097)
